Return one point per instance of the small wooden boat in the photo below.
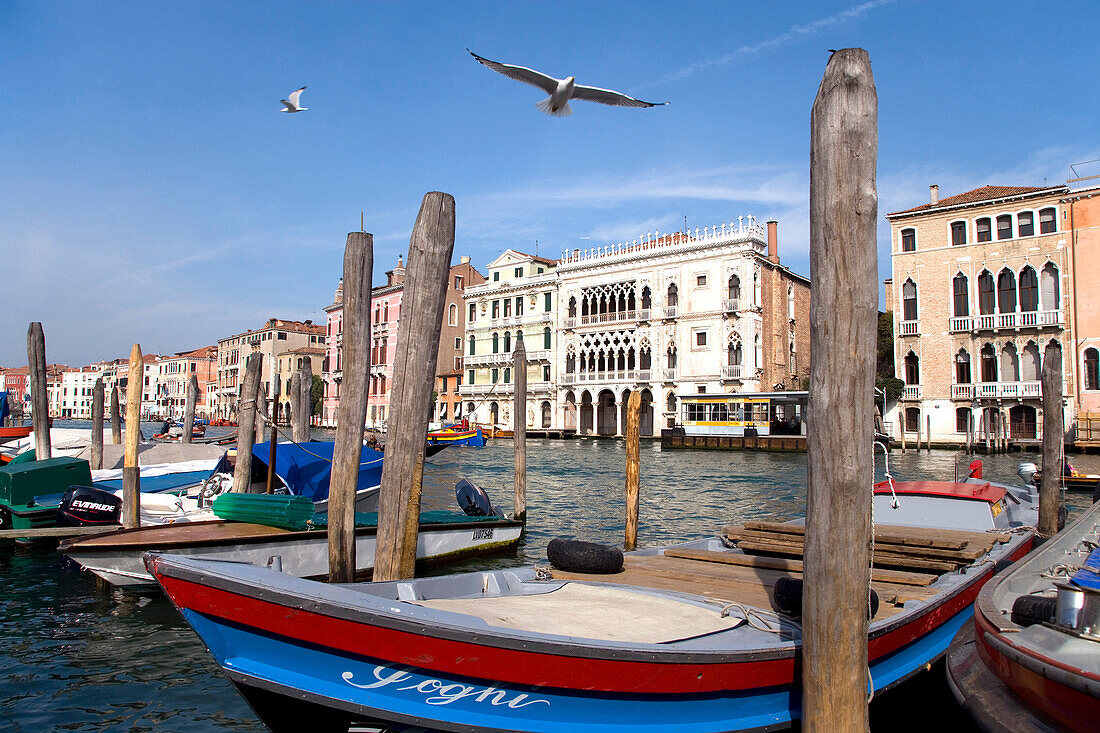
(15, 431)
(1075, 481)
(1030, 661)
(457, 435)
(684, 638)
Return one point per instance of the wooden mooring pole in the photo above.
(247, 408)
(633, 455)
(352, 410)
(927, 433)
(305, 399)
(519, 429)
(131, 477)
(1053, 439)
(293, 399)
(189, 408)
(901, 429)
(843, 316)
(116, 417)
(273, 448)
(430, 250)
(97, 425)
(40, 399)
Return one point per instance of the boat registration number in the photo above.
(485, 533)
(999, 507)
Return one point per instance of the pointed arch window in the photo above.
(1030, 363)
(1049, 288)
(909, 301)
(986, 293)
(1006, 292)
(647, 298)
(452, 315)
(507, 342)
(472, 342)
(962, 367)
(496, 342)
(1029, 290)
(912, 368)
(1010, 364)
(572, 307)
(673, 296)
(734, 290)
(989, 364)
(733, 353)
(961, 290)
(671, 357)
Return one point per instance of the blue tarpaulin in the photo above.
(306, 468)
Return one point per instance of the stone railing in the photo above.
(746, 227)
(731, 371)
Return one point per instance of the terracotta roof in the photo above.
(311, 350)
(984, 193)
(206, 352)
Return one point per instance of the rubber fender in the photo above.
(787, 596)
(584, 557)
(1028, 610)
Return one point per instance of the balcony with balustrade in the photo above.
(909, 328)
(631, 376)
(731, 371)
(1007, 321)
(996, 390)
(731, 306)
(911, 392)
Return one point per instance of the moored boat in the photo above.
(457, 435)
(1031, 658)
(684, 638)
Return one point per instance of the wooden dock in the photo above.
(676, 439)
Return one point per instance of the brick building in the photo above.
(275, 337)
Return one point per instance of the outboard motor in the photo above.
(84, 506)
(473, 500)
(1026, 471)
(975, 468)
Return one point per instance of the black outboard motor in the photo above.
(473, 500)
(84, 506)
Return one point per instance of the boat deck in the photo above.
(908, 561)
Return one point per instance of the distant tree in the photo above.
(316, 393)
(884, 363)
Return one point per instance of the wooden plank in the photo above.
(430, 250)
(795, 566)
(966, 554)
(57, 532)
(914, 536)
(351, 413)
(882, 559)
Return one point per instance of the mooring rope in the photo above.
(755, 617)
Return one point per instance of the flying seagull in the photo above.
(293, 105)
(562, 90)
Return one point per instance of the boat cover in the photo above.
(306, 467)
(432, 516)
(1089, 574)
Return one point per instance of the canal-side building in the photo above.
(1082, 211)
(275, 337)
(980, 284)
(176, 372)
(517, 302)
(711, 311)
(385, 309)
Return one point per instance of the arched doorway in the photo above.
(1022, 421)
(586, 413)
(570, 422)
(624, 404)
(605, 415)
(546, 414)
(646, 424)
(494, 413)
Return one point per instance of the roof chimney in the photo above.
(773, 241)
(935, 193)
(339, 296)
(463, 260)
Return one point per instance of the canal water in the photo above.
(78, 657)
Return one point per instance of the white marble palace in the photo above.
(708, 311)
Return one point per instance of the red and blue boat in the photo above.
(683, 638)
(458, 434)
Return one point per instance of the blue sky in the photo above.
(151, 191)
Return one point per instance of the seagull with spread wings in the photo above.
(294, 105)
(562, 90)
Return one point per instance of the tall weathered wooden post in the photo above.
(261, 411)
(519, 428)
(40, 398)
(246, 423)
(131, 479)
(633, 455)
(430, 249)
(1053, 439)
(305, 397)
(116, 417)
(273, 443)
(843, 314)
(97, 425)
(352, 411)
(295, 397)
(189, 407)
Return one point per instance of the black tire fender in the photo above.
(584, 557)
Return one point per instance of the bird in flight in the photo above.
(562, 90)
(293, 105)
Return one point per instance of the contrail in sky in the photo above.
(794, 32)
